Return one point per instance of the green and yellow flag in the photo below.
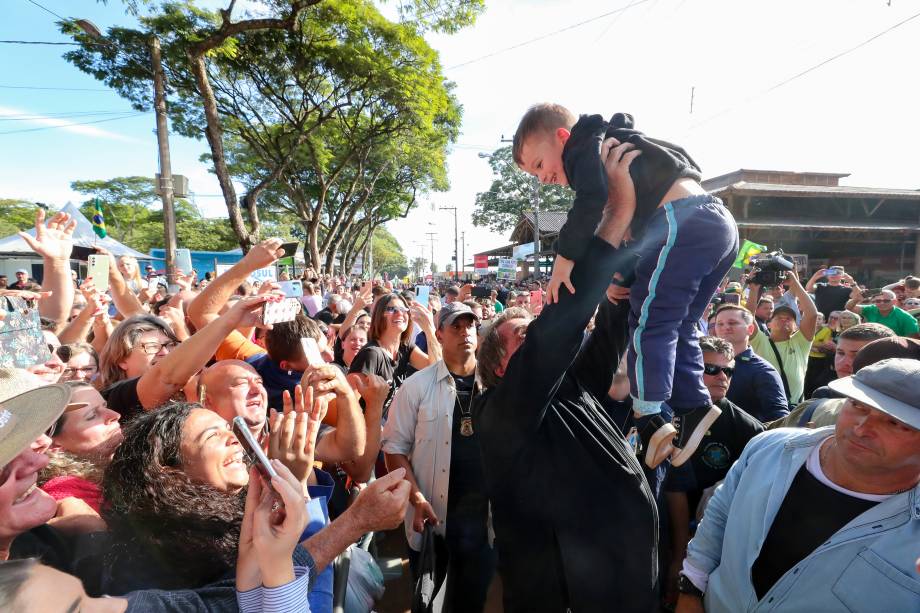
(747, 250)
(99, 220)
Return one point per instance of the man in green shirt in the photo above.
(788, 352)
(882, 311)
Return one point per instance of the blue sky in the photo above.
(744, 60)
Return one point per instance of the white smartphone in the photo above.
(422, 292)
(97, 267)
(280, 312)
(311, 352)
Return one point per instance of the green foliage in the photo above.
(512, 193)
(418, 266)
(16, 215)
(134, 216)
(388, 254)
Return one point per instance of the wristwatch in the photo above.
(685, 586)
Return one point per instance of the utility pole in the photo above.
(431, 236)
(536, 222)
(166, 182)
(463, 250)
(456, 239)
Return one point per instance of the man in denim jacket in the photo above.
(820, 520)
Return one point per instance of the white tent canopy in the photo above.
(83, 236)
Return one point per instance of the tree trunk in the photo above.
(214, 134)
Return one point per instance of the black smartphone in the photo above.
(289, 249)
(480, 291)
(731, 298)
(252, 449)
(81, 253)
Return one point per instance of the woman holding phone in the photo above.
(390, 352)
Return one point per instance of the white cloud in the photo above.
(68, 125)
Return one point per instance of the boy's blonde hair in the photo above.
(544, 118)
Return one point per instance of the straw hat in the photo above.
(28, 407)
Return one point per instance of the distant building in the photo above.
(872, 231)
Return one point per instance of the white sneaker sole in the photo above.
(683, 454)
(659, 446)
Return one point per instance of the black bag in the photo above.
(428, 596)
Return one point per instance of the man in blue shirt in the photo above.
(819, 520)
(756, 387)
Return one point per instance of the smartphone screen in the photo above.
(292, 289)
(252, 449)
(81, 253)
(98, 268)
(731, 298)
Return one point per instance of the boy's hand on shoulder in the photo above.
(562, 270)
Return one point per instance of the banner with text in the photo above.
(507, 268)
(481, 264)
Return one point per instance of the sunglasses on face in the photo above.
(882, 301)
(713, 370)
(395, 309)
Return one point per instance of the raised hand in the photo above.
(53, 240)
(293, 432)
(264, 254)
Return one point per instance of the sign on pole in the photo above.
(481, 264)
(507, 268)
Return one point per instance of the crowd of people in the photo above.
(518, 431)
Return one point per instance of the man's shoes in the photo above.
(657, 439)
(692, 439)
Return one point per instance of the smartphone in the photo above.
(252, 449)
(289, 249)
(422, 293)
(480, 291)
(152, 284)
(292, 289)
(280, 312)
(98, 268)
(311, 352)
(833, 270)
(81, 253)
(731, 298)
(536, 297)
(184, 260)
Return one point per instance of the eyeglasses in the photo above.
(88, 370)
(712, 370)
(395, 309)
(153, 347)
(882, 301)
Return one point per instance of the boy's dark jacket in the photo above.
(653, 173)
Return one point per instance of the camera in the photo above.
(769, 269)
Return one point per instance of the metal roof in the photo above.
(840, 191)
(803, 224)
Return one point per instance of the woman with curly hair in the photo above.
(175, 498)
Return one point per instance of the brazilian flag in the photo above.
(747, 250)
(99, 220)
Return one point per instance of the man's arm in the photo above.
(598, 359)
(806, 304)
(753, 297)
(856, 297)
(347, 441)
(170, 374)
(819, 274)
(54, 242)
(209, 302)
(768, 387)
(374, 390)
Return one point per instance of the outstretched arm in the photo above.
(54, 242)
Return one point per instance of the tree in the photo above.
(207, 55)
(16, 215)
(388, 255)
(418, 265)
(434, 268)
(512, 193)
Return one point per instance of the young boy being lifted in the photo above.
(685, 242)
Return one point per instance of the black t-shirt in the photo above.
(466, 495)
(831, 298)
(810, 514)
(720, 447)
(122, 398)
(372, 359)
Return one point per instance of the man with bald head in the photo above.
(234, 388)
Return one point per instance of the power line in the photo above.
(64, 115)
(33, 42)
(806, 71)
(70, 125)
(547, 35)
(60, 89)
(46, 9)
